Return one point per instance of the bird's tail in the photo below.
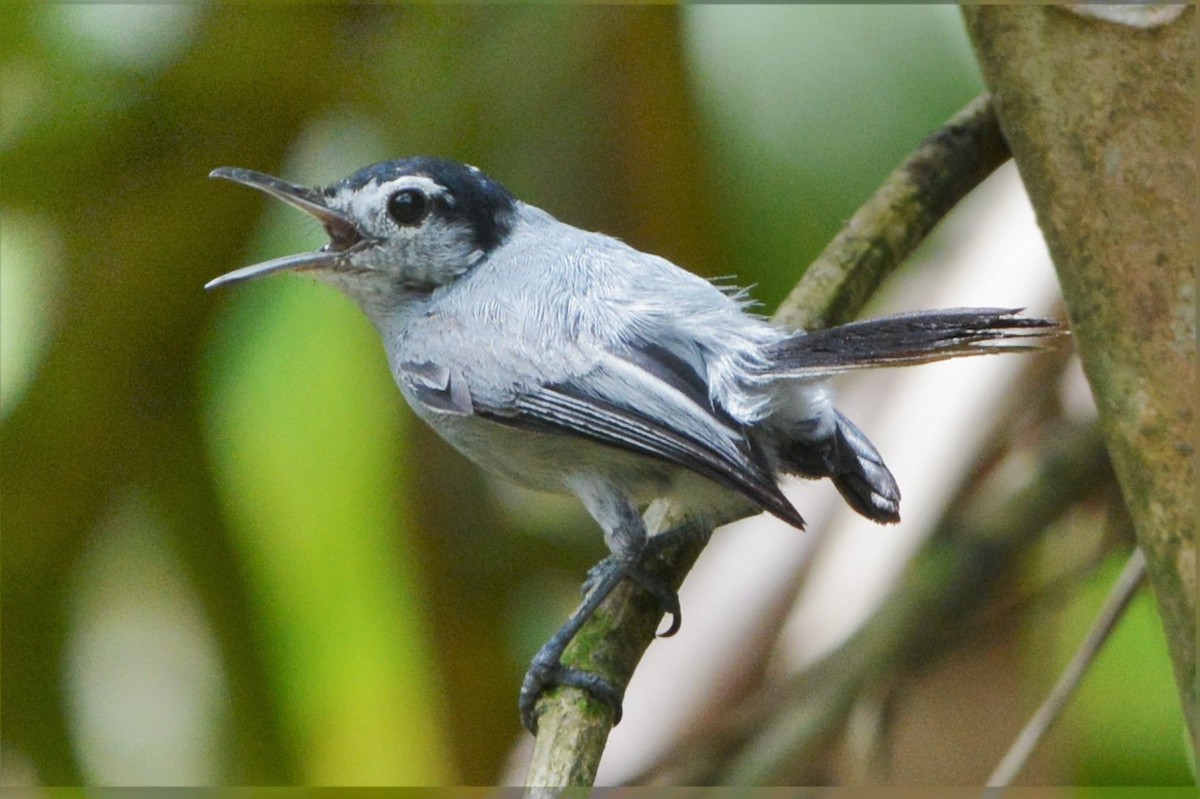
(850, 460)
(908, 338)
(845, 454)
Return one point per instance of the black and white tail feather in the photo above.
(905, 339)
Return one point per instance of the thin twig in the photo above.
(945, 168)
(1027, 741)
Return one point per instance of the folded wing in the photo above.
(653, 403)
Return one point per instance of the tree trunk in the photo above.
(1100, 118)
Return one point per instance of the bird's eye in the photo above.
(408, 206)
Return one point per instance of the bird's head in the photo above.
(395, 228)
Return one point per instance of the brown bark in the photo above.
(1100, 117)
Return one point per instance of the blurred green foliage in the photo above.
(237, 467)
(1129, 687)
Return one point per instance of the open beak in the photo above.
(344, 235)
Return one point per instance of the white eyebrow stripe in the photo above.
(374, 196)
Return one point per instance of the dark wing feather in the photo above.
(738, 464)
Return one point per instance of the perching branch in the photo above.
(573, 728)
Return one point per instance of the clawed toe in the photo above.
(668, 598)
(545, 675)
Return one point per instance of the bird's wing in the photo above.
(643, 400)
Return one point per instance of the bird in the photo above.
(569, 361)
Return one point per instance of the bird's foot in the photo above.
(547, 671)
(668, 597)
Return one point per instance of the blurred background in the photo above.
(231, 555)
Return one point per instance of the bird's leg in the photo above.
(655, 545)
(667, 597)
(665, 593)
(547, 670)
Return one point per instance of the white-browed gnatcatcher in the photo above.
(568, 361)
